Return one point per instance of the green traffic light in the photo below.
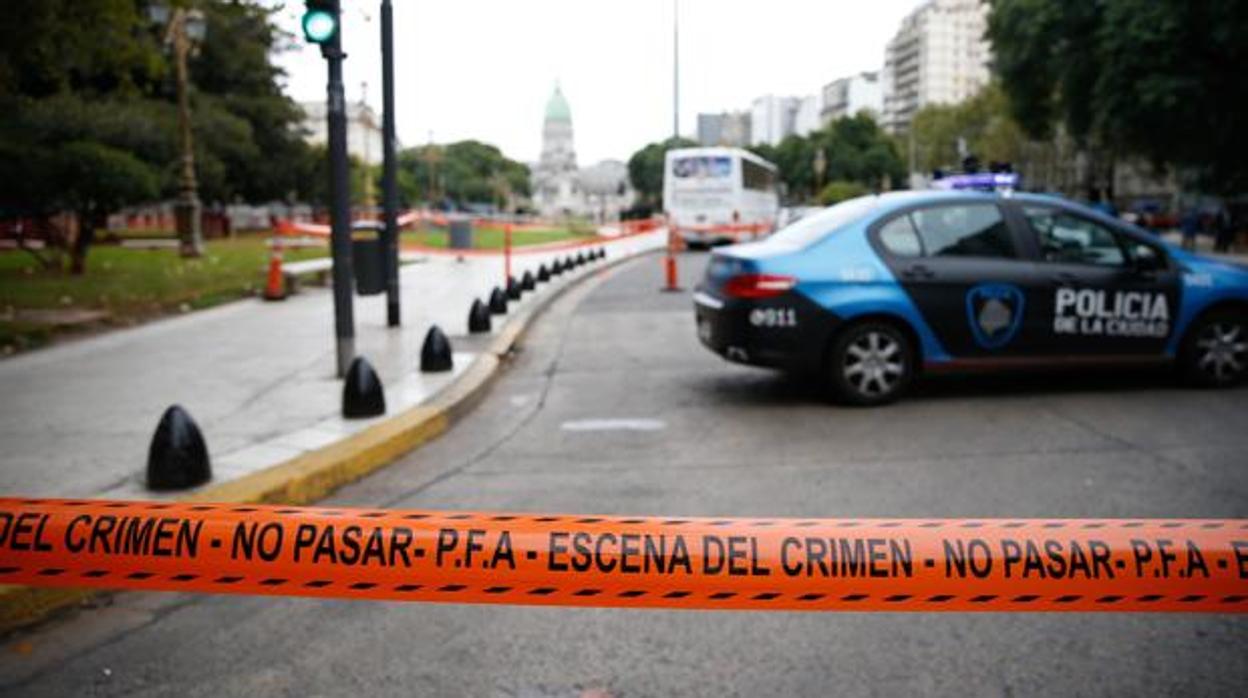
(319, 26)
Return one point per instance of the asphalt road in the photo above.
(717, 439)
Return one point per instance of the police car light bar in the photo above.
(983, 181)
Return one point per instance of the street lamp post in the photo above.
(184, 29)
(821, 166)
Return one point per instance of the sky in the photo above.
(484, 69)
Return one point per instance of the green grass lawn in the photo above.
(131, 284)
(491, 239)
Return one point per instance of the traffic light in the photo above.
(320, 21)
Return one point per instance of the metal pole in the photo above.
(675, 70)
(340, 204)
(390, 194)
(506, 254)
(187, 208)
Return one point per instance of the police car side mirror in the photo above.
(1148, 260)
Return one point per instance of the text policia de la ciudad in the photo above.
(708, 563)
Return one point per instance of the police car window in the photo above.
(1068, 239)
(814, 227)
(969, 230)
(899, 237)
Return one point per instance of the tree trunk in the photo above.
(81, 243)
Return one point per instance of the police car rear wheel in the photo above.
(1217, 350)
(870, 364)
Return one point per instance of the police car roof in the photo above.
(891, 200)
(888, 201)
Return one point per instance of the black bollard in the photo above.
(435, 355)
(513, 289)
(498, 301)
(362, 394)
(556, 268)
(527, 282)
(478, 317)
(543, 274)
(177, 457)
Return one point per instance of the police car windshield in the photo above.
(811, 228)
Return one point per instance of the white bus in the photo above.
(719, 194)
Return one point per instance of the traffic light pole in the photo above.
(340, 205)
(390, 195)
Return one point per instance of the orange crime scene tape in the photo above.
(577, 560)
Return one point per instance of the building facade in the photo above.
(364, 136)
(560, 188)
(851, 95)
(730, 129)
(772, 118)
(938, 56)
(806, 115)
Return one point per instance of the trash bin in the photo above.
(461, 233)
(367, 258)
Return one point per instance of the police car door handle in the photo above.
(918, 271)
(1065, 278)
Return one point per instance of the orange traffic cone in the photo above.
(275, 287)
(669, 263)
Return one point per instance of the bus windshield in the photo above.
(702, 167)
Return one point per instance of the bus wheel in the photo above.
(870, 363)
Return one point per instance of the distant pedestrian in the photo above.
(1189, 225)
(1223, 232)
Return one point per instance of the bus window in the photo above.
(755, 176)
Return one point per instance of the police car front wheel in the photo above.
(1216, 351)
(871, 364)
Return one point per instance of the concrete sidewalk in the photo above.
(77, 419)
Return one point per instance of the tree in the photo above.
(855, 149)
(840, 190)
(464, 172)
(858, 150)
(244, 119)
(88, 79)
(88, 157)
(645, 169)
(1161, 79)
(983, 124)
(53, 46)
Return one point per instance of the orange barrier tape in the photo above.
(574, 560)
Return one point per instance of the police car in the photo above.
(874, 290)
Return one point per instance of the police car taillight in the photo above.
(758, 285)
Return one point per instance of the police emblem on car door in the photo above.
(995, 314)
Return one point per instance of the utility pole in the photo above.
(675, 71)
(322, 25)
(389, 173)
(366, 127)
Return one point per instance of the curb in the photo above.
(314, 475)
